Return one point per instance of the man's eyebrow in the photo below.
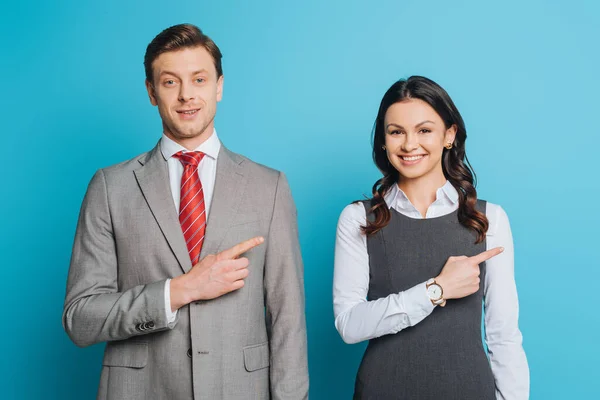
(167, 72)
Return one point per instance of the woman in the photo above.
(414, 264)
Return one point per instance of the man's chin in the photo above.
(187, 134)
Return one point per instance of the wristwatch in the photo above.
(435, 292)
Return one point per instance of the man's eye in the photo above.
(169, 82)
(200, 80)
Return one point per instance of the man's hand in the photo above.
(460, 276)
(214, 276)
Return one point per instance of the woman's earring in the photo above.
(383, 147)
(448, 145)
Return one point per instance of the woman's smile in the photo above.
(412, 159)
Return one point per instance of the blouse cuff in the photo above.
(417, 303)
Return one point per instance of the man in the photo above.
(155, 271)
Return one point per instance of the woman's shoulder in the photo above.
(496, 216)
(354, 211)
(494, 210)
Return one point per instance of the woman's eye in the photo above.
(425, 131)
(395, 132)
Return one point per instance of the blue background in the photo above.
(303, 81)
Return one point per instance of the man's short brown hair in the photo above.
(180, 37)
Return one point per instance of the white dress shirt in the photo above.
(357, 319)
(207, 170)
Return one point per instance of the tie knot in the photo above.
(192, 158)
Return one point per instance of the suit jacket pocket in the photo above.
(256, 357)
(126, 354)
(243, 219)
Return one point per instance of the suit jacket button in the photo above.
(189, 352)
(151, 324)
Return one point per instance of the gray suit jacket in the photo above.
(248, 344)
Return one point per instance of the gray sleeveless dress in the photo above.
(442, 357)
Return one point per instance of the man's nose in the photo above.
(185, 93)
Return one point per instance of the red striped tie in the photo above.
(192, 215)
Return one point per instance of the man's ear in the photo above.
(220, 88)
(151, 93)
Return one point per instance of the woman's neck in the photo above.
(422, 191)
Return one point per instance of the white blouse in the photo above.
(357, 319)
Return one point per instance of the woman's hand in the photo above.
(460, 276)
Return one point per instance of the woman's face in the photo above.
(415, 136)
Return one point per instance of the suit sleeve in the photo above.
(284, 294)
(95, 310)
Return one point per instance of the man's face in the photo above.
(186, 90)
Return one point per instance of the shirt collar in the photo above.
(396, 198)
(449, 191)
(210, 146)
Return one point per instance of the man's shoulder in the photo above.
(254, 169)
(128, 166)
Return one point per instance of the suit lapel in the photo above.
(153, 178)
(230, 184)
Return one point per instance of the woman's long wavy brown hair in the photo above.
(455, 163)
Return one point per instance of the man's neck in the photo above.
(191, 143)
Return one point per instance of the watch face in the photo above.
(434, 292)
